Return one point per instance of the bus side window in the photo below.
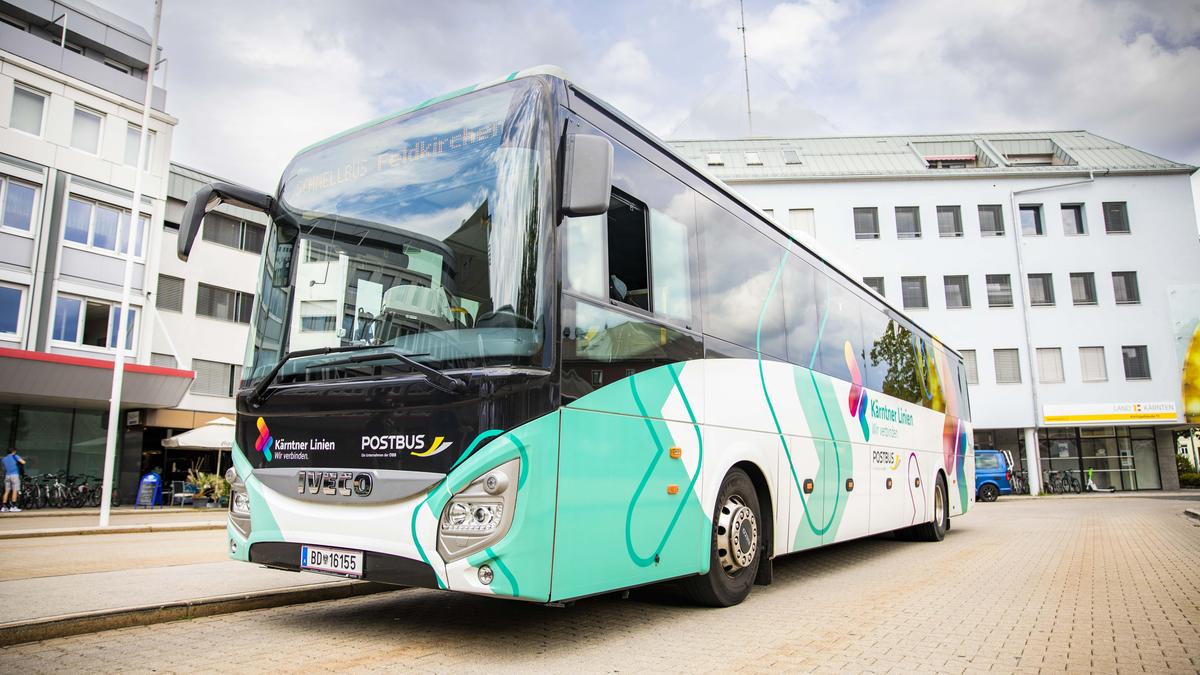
(800, 284)
(743, 299)
(628, 255)
(878, 359)
(584, 256)
(672, 270)
(840, 324)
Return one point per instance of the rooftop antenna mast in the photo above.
(746, 67)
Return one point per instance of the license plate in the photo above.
(331, 561)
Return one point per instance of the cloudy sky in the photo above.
(254, 81)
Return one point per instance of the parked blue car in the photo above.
(993, 474)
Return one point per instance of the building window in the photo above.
(224, 303)
(163, 360)
(1008, 366)
(1083, 288)
(971, 365)
(958, 292)
(875, 283)
(234, 233)
(791, 157)
(214, 378)
(133, 136)
(85, 131)
(803, 220)
(1031, 220)
(1116, 219)
(991, 220)
(714, 159)
(117, 65)
(908, 222)
(19, 200)
(1050, 365)
(102, 227)
(1041, 290)
(318, 316)
(949, 221)
(866, 223)
(1072, 217)
(999, 290)
(912, 291)
(11, 302)
(769, 213)
(1137, 362)
(1125, 288)
(752, 159)
(94, 323)
(28, 110)
(170, 293)
(1091, 364)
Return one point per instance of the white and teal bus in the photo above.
(507, 342)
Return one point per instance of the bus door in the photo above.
(629, 508)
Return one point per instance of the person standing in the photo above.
(12, 480)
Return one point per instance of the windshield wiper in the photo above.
(378, 353)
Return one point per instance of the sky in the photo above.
(252, 82)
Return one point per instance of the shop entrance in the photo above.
(1116, 458)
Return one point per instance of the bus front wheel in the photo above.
(737, 545)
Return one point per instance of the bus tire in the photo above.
(935, 530)
(988, 492)
(733, 562)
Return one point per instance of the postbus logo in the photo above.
(265, 440)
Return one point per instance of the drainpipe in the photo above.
(1032, 460)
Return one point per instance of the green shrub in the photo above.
(1184, 464)
(1189, 480)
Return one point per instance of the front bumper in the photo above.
(381, 567)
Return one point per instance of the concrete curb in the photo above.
(112, 529)
(1194, 514)
(117, 511)
(108, 619)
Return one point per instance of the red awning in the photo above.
(59, 379)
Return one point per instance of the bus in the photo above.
(507, 342)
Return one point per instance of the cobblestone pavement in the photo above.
(1084, 585)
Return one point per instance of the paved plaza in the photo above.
(1046, 585)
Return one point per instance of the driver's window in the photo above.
(628, 253)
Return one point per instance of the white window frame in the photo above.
(45, 109)
(34, 217)
(89, 246)
(1052, 353)
(971, 365)
(132, 336)
(99, 133)
(1083, 372)
(130, 126)
(1016, 361)
(24, 291)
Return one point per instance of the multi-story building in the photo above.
(204, 309)
(72, 79)
(1062, 265)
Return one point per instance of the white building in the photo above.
(72, 78)
(1063, 266)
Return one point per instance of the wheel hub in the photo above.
(939, 507)
(737, 535)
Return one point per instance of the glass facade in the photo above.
(55, 440)
(1117, 458)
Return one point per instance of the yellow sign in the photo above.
(1109, 412)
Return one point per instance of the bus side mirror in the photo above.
(587, 183)
(210, 197)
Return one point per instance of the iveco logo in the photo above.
(334, 483)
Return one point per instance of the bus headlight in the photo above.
(480, 514)
(240, 504)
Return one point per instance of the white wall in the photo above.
(1162, 248)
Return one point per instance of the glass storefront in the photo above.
(1116, 458)
(55, 440)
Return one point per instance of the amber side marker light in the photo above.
(889, 483)
(849, 485)
(676, 453)
(672, 489)
(808, 486)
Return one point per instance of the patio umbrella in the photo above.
(215, 435)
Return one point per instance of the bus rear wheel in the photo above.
(737, 545)
(935, 530)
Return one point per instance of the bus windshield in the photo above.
(421, 234)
